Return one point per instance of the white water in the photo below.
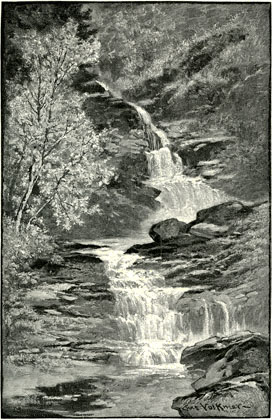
(156, 137)
(150, 331)
(148, 326)
(226, 317)
(181, 196)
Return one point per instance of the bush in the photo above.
(20, 250)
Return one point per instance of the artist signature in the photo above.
(215, 406)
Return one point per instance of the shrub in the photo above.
(19, 252)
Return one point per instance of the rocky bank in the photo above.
(224, 253)
(235, 382)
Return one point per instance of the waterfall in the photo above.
(150, 331)
(225, 318)
(207, 324)
(181, 196)
(156, 137)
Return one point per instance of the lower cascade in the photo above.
(150, 330)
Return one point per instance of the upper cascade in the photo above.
(181, 196)
(162, 164)
(156, 137)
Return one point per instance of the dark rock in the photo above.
(204, 353)
(44, 263)
(196, 150)
(11, 411)
(137, 248)
(222, 214)
(167, 229)
(82, 258)
(236, 381)
(80, 244)
(154, 249)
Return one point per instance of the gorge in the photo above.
(147, 318)
(136, 211)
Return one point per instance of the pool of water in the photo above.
(94, 390)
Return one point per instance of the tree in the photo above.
(51, 148)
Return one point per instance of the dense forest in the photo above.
(75, 153)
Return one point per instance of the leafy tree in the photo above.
(50, 145)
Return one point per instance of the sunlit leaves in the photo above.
(52, 146)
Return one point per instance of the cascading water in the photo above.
(149, 329)
(156, 137)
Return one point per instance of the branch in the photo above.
(66, 131)
(62, 206)
(54, 192)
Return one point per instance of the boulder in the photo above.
(209, 230)
(221, 214)
(167, 229)
(154, 249)
(243, 396)
(206, 352)
(235, 383)
(246, 355)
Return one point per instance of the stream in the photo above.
(144, 374)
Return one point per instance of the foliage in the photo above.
(41, 17)
(20, 250)
(124, 203)
(132, 37)
(50, 146)
(187, 58)
(222, 79)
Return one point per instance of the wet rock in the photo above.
(69, 298)
(52, 312)
(175, 134)
(222, 214)
(214, 162)
(205, 141)
(167, 229)
(250, 349)
(254, 293)
(235, 383)
(167, 247)
(210, 173)
(30, 351)
(81, 258)
(243, 396)
(209, 230)
(80, 244)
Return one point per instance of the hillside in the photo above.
(136, 209)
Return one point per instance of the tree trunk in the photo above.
(26, 197)
(22, 206)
